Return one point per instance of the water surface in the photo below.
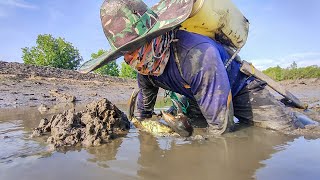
(246, 154)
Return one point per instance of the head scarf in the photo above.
(152, 58)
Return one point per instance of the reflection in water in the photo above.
(244, 154)
(233, 157)
(104, 153)
(298, 160)
(30, 116)
(14, 142)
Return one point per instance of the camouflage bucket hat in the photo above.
(129, 24)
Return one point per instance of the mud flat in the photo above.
(308, 90)
(26, 85)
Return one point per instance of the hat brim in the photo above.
(166, 22)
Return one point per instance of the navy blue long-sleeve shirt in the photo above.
(203, 76)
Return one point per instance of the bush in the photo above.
(127, 72)
(52, 52)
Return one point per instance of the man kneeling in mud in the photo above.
(196, 70)
(190, 64)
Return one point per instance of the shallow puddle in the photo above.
(246, 154)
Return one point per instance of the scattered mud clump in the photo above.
(98, 124)
(62, 97)
(43, 108)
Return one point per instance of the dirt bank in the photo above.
(27, 85)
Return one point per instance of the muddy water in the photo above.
(246, 154)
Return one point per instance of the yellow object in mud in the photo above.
(153, 127)
(220, 20)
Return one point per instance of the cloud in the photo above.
(17, 4)
(9, 7)
(302, 60)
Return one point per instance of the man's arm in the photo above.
(146, 97)
(203, 69)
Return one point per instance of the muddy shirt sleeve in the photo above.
(203, 69)
(147, 95)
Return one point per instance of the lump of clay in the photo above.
(62, 97)
(43, 108)
(100, 122)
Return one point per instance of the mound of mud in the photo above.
(98, 124)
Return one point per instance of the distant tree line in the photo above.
(293, 72)
(58, 53)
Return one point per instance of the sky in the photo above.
(281, 31)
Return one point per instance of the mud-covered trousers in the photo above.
(197, 71)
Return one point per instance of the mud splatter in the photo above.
(98, 124)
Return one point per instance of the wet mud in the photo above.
(310, 132)
(62, 97)
(100, 122)
(32, 86)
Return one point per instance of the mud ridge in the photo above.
(30, 71)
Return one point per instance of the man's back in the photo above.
(192, 46)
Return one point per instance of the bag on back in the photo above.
(220, 20)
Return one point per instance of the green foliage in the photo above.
(275, 73)
(54, 52)
(293, 72)
(110, 69)
(127, 72)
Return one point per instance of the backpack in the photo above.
(220, 20)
